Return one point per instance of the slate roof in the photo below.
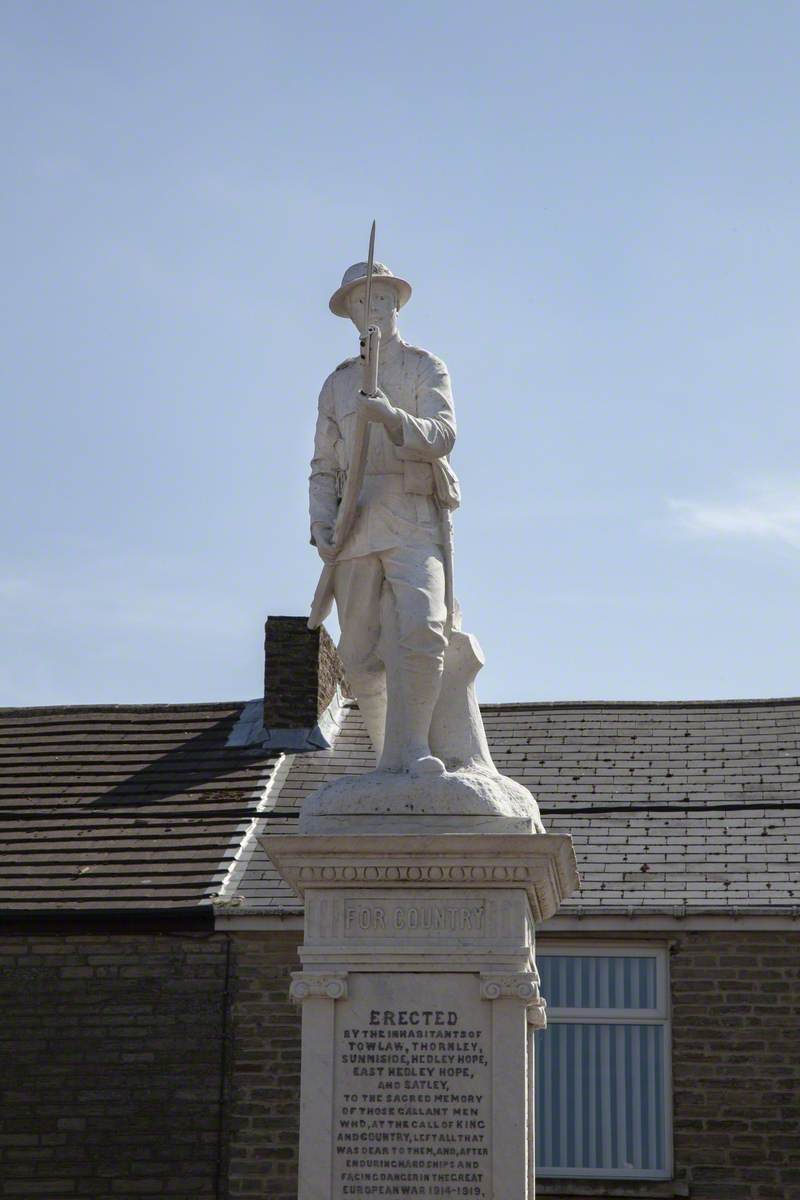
(692, 806)
(122, 807)
(143, 808)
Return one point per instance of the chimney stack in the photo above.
(302, 669)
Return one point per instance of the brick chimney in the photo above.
(301, 671)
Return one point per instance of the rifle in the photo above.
(369, 352)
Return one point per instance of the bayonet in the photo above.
(369, 342)
(370, 263)
(370, 339)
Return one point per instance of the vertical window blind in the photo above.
(602, 1102)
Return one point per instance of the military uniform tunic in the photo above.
(395, 541)
(397, 505)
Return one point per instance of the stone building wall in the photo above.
(736, 1064)
(735, 1071)
(264, 1074)
(117, 1049)
(110, 1065)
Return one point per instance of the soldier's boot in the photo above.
(370, 692)
(420, 684)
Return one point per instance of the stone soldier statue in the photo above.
(389, 575)
(381, 497)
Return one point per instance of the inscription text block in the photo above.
(412, 1094)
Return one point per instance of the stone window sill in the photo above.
(614, 1189)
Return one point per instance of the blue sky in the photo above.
(597, 204)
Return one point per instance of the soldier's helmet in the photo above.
(357, 274)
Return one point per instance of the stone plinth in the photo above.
(469, 800)
(420, 995)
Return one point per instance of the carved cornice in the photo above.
(541, 864)
(427, 874)
(330, 984)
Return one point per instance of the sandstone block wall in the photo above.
(735, 1068)
(111, 1050)
(264, 1077)
(168, 1065)
(736, 1064)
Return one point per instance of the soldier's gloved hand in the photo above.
(379, 408)
(323, 540)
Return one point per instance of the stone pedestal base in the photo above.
(469, 800)
(420, 993)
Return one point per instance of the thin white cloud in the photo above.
(766, 513)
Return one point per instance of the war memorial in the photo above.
(424, 879)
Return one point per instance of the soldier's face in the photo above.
(382, 307)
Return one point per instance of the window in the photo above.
(602, 1065)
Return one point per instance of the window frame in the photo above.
(660, 1015)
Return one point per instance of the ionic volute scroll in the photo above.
(330, 984)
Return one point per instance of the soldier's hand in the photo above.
(379, 408)
(323, 540)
